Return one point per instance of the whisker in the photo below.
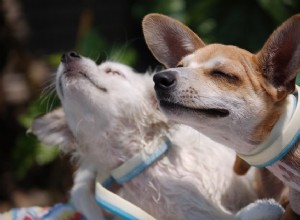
(48, 94)
(49, 89)
(106, 56)
(51, 101)
(98, 59)
(48, 99)
(117, 53)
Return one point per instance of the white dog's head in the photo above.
(94, 97)
(101, 103)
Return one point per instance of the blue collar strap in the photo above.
(284, 136)
(127, 171)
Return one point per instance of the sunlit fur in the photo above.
(105, 127)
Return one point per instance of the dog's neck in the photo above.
(121, 141)
(153, 146)
(137, 163)
(125, 173)
(282, 138)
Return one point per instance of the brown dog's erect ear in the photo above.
(168, 39)
(279, 58)
(52, 129)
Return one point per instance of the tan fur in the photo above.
(240, 166)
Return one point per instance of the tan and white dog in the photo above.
(238, 98)
(110, 114)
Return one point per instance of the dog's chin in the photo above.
(176, 110)
(78, 79)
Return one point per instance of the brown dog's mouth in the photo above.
(210, 112)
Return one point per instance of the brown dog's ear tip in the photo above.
(157, 17)
(146, 21)
(296, 16)
(152, 16)
(293, 19)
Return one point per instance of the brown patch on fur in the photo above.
(240, 166)
(264, 128)
(275, 94)
(225, 79)
(229, 75)
(220, 81)
(267, 185)
(264, 84)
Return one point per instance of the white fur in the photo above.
(189, 60)
(261, 209)
(194, 180)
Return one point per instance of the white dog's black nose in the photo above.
(69, 56)
(165, 79)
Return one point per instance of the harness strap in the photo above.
(126, 172)
(119, 206)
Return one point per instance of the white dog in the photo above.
(109, 115)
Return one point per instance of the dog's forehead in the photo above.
(192, 61)
(116, 66)
(215, 55)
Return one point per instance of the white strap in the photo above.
(127, 171)
(139, 162)
(118, 205)
(286, 133)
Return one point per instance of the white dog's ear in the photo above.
(52, 129)
(279, 59)
(168, 39)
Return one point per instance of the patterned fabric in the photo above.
(57, 212)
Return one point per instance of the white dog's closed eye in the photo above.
(193, 180)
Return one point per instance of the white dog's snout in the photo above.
(69, 56)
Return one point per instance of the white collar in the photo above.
(283, 137)
(127, 171)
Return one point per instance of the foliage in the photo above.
(243, 23)
(28, 150)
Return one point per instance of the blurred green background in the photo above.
(34, 34)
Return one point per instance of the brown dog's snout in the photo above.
(69, 56)
(165, 79)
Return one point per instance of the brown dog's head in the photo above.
(224, 91)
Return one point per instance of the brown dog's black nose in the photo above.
(68, 56)
(165, 79)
